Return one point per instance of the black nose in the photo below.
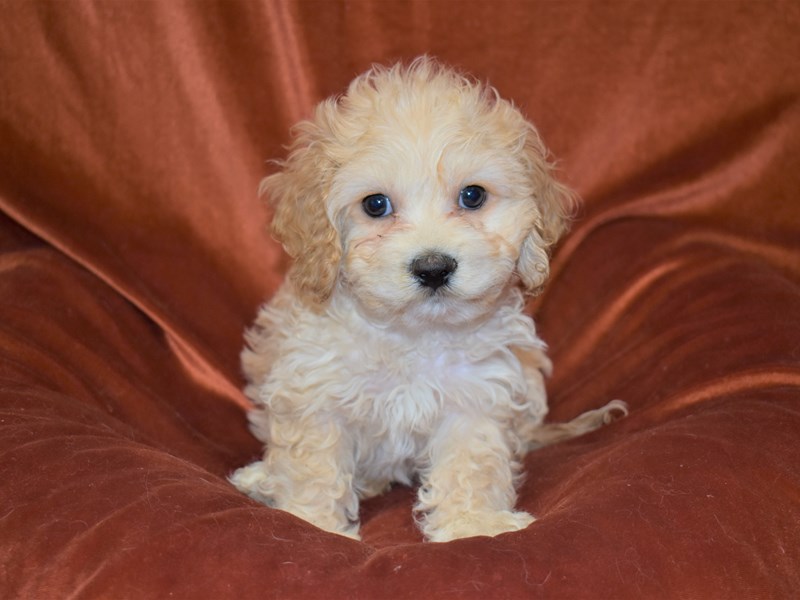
(433, 270)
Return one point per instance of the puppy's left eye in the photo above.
(472, 197)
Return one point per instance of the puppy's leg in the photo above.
(468, 489)
(308, 471)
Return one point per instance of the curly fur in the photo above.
(361, 376)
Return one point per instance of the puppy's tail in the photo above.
(551, 433)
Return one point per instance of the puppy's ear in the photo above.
(300, 221)
(555, 205)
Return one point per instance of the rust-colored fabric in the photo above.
(132, 256)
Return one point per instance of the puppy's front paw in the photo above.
(478, 523)
(251, 480)
(256, 482)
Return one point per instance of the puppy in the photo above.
(418, 208)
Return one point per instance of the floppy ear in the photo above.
(300, 221)
(555, 205)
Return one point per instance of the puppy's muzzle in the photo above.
(433, 270)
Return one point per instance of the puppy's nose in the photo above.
(433, 270)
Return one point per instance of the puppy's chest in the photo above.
(412, 387)
(415, 372)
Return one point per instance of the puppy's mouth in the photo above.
(438, 293)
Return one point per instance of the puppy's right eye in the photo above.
(377, 205)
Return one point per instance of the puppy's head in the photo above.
(420, 193)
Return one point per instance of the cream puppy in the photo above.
(419, 208)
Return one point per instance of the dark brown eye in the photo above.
(377, 205)
(472, 197)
